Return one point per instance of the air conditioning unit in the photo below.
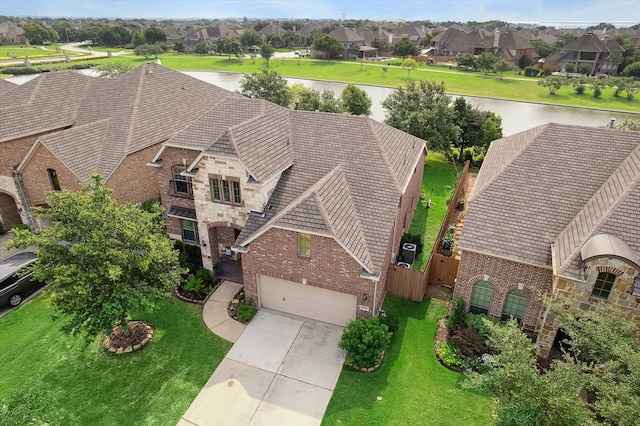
(404, 265)
(409, 253)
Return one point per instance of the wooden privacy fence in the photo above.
(440, 270)
(406, 283)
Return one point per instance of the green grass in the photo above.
(92, 387)
(415, 388)
(20, 52)
(512, 86)
(441, 177)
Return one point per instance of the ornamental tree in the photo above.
(105, 261)
(405, 48)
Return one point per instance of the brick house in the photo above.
(311, 205)
(550, 214)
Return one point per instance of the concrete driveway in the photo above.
(281, 370)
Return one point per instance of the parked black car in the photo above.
(13, 286)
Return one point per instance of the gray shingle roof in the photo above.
(555, 183)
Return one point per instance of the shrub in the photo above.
(195, 286)
(204, 275)
(19, 70)
(518, 413)
(531, 71)
(458, 314)
(448, 239)
(449, 356)
(480, 323)
(390, 321)
(246, 313)
(19, 227)
(546, 72)
(365, 339)
(468, 341)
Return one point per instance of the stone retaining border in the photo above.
(151, 332)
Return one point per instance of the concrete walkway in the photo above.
(215, 316)
(281, 369)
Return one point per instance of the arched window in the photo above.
(481, 297)
(515, 305)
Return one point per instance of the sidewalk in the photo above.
(214, 312)
(4, 252)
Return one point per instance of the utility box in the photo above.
(408, 253)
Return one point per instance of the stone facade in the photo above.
(504, 275)
(214, 217)
(578, 293)
(275, 253)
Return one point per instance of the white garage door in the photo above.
(306, 301)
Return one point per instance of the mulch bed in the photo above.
(118, 342)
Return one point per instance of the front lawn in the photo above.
(440, 177)
(415, 388)
(92, 387)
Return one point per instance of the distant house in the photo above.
(414, 34)
(351, 41)
(503, 44)
(209, 36)
(543, 220)
(11, 33)
(284, 195)
(586, 50)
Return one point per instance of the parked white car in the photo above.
(302, 53)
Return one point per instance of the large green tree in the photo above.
(485, 61)
(355, 101)
(155, 35)
(229, 46)
(38, 34)
(404, 48)
(250, 38)
(422, 109)
(596, 381)
(269, 85)
(137, 38)
(327, 44)
(105, 261)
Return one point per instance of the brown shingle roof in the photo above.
(6, 85)
(144, 107)
(349, 169)
(346, 35)
(553, 183)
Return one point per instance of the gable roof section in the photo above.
(532, 185)
(6, 85)
(349, 169)
(48, 102)
(144, 107)
(346, 35)
(264, 143)
(614, 209)
(82, 159)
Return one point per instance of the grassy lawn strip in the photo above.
(512, 86)
(92, 387)
(441, 177)
(415, 388)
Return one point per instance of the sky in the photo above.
(559, 13)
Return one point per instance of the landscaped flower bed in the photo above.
(239, 310)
